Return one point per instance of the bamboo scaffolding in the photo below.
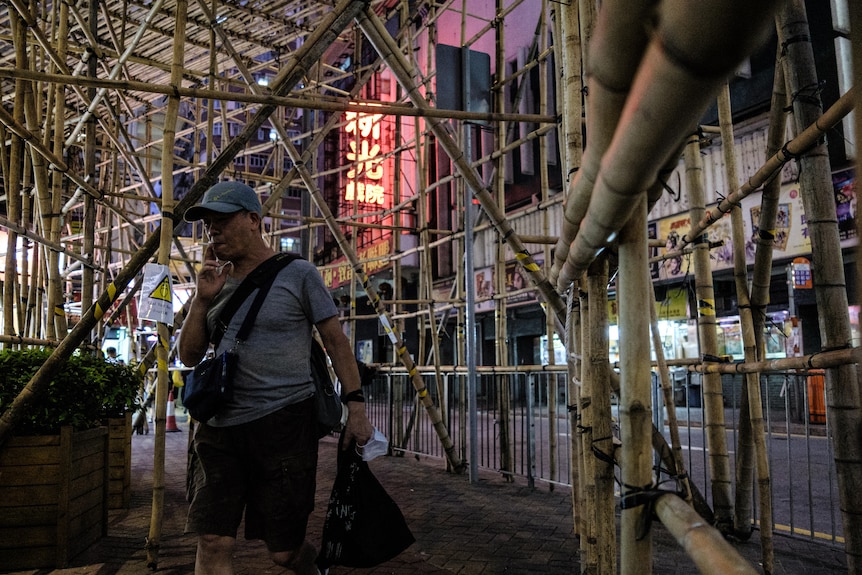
(287, 78)
(501, 316)
(607, 81)
(669, 405)
(588, 527)
(842, 390)
(803, 143)
(601, 437)
(306, 103)
(166, 230)
(383, 43)
(633, 295)
(709, 550)
(544, 183)
(719, 460)
(89, 212)
(670, 99)
(55, 58)
(749, 339)
(124, 146)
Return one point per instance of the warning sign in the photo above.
(156, 295)
(163, 290)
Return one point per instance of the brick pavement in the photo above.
(489, 528)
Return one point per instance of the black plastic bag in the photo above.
(208, 387)
(364, 526)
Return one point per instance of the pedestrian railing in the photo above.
(524, 432)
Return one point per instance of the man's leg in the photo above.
(300, 561)
(214, 555)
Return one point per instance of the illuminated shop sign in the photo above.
(365, 152)
(374, 256)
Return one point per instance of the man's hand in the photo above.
(211, 277)
(358, 426)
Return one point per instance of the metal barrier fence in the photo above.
(524, 431)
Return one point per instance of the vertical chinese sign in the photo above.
(365, 180)
(366, 193)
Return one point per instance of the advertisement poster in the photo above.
(791, 229)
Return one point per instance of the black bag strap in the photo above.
(260, 277)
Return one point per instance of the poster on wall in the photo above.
(790, 229)
(671, 231)
(844, 186)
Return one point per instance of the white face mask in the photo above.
(376, 446)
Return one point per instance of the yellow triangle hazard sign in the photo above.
(163, 290)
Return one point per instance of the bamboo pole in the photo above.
(287, 78)
(668, 99)
(761, 279)
(633, 294)
(164, 332)
(709, 550)
(587, 549)
(819, 360)
(749, 339)
(321, 103)
(574, 345)
(502, 345)
(762, 275)
(550, 326)
(575, 31)
(601, 440)
(56, 181)
(612, 58)
(90, 145)
(669, 405)
(424, 150)
(13, 184)
(47, 215)
(843, 401)
(719, 460)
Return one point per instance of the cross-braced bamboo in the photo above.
(752, 380)
(843, 394)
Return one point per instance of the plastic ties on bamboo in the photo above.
(642, 496)
(794, 40)
(601, 455)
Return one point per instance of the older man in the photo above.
(258, 455)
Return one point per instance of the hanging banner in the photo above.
(156, 295)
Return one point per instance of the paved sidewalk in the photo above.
(488, 528)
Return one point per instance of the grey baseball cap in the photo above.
(225, 198)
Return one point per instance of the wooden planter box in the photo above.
(120, 462)
(53, 497)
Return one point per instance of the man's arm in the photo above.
(194, 337)
(344, 363)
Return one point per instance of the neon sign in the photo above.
(365, 179)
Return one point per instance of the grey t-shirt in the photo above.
(273, 368)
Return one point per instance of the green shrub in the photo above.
(85, 392)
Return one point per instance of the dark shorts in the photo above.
(266, 467)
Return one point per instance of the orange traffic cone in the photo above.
(172, 418)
